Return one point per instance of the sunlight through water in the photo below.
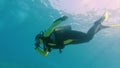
(83, 6)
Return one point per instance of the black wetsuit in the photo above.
(80, 37)
(58, 37)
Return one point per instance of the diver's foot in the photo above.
(102, 19)
(64, 18)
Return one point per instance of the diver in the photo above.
(58, 37)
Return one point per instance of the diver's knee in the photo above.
(88, 39)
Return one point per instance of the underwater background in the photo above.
(22, 20)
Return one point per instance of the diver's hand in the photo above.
(37, 45)
(64, 18)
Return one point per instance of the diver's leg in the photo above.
(95, 28)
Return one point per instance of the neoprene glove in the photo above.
(36, 45)
(64, 18)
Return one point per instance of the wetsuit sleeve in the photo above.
(40, 51)
(54, 24)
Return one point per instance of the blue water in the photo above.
(21, 20)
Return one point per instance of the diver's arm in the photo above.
(40, 51)
(54, 24)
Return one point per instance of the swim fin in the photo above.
(114, 25)
(106, 15)
(110, 26)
